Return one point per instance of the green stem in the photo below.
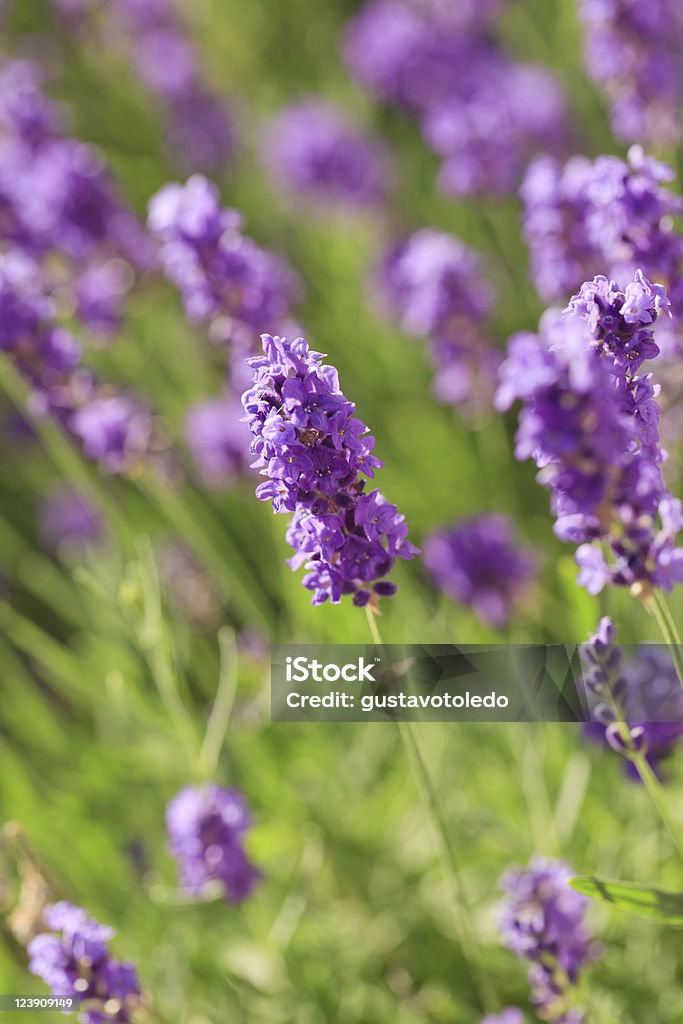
(669, 631)
(656, 793)
(652, 786)
(157, 648)
(219, 719)
(467, 936)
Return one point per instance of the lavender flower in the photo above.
(25, 112)
(224, 278)
(483, 113)
(435, 287)
(510, 1015)
(415, 55)
(99, 292)
(478, 562)
(67, 521)
(642, 692)
(57, 199)
(542, 922)
(589, 421)
(486, 135)
(114, 430)
(633, 49)
(584, 218)
(199, 124)
(316, 453)
(206, 828)
(76, 962)
(218, 440)
(312, 149)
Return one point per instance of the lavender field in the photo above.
(356, 322)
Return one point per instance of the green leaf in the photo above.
(637, 899)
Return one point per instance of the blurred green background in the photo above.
(353, 922)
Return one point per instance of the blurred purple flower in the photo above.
(200, 126)
(436, 287)
(485, 114)
(25, 112)
(480, 563)
(218, 439)
(415, 55)
(100, 290)
(542, 922)
(510, 1015)
(115, 431)
(634, 50)
(487, 137)
(313, 150)
(76, 962)
(223, 277)
(604, 216)
(206, 830)
(60, 206)
(315, 453)
(67, 520)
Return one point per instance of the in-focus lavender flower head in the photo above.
(222, 275)
(316, 454)
(67, 521)
(604, 216)
(218, 439)
(542, 921)
(73, 959)
(436, 287)
(313, 150)
(634, 50)
(207, 826)
(590, 422)
(479, 562)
